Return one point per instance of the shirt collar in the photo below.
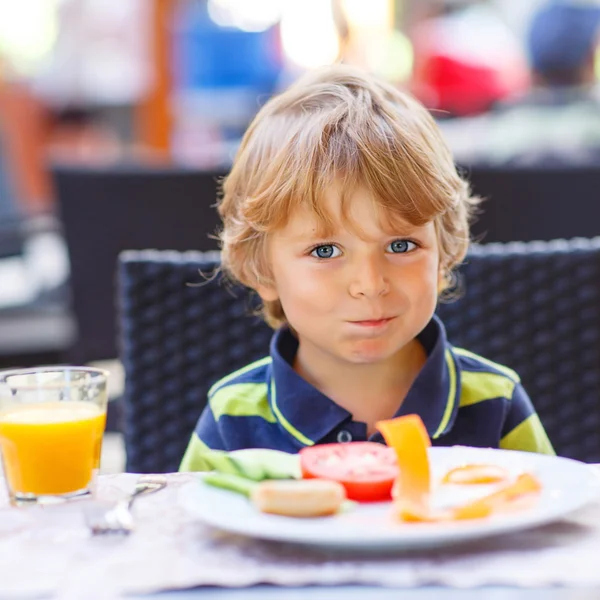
(435, 393)
(300, 408)
(308, 415)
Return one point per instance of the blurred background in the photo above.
(118, 117)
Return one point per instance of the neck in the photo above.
(370, 392)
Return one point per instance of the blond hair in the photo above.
(339, 125)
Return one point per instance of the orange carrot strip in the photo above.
(476, 474)
(500, 500)
(505, 499)
(417, 512)
(410, 440)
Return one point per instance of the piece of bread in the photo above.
(304, 498)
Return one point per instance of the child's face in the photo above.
(358, 299)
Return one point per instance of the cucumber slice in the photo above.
(262, 463)
(219, 460)
(256, 464)
(227, 481)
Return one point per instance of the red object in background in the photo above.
(447, 84)
(466, 62)
(367, 470)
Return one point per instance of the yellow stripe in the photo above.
(451, 394)
(477, 387)
(242, 400)
(528, 436)
(259, 363)
(490, 363)
(289, 428)
(192, 459)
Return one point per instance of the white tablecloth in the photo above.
(48, 550)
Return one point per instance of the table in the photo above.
(377, 593)
(48, 550)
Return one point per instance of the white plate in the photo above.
(567, 486)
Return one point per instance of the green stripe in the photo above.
(288, 427)
(242, 400)
(490, 363)
(528, 436)
(255, 365)
(477, 387)
(192, 459)
(451, 394)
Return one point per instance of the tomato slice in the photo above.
(366, 469)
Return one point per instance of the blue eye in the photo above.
(326, 251)
(401, 246)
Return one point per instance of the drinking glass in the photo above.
(52, 420)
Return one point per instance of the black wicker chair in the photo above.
(105, 210)
(535, 307)
(179, 334)
(531, 202)
(532, 306)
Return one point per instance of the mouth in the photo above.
(373, 323)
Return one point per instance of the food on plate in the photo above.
(321, 478)
(502, 500)
(367, 470)
(510, 497)
(412, 491)
(228, 481)
(307, 498)
(256, 464)
(409, 439)
(473, 474)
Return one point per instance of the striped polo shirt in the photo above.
(461, 397)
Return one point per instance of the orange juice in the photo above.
(51, 447)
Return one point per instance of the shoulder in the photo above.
(469, 361)
(243, 393)
(255, 372)
(483, 379)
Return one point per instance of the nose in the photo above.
(368, 278)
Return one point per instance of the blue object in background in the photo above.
(563, 35)
(222, 75)
(208, 56)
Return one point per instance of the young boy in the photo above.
(345, 213)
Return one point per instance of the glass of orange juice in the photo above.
(52, 421)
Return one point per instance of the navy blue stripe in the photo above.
(207, 430)
(254, 432)
(519, 409)
(256, 375)
(473, 365)
(477, 425)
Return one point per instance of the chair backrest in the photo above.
(179, 335)
(107, 210)
(534, 307)
(536, 203)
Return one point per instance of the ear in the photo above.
(268, 293)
